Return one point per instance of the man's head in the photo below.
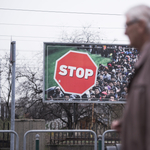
(66, 97)
(105, 72)
(101, 77)
(97, 91)
(111, 91)
(97, 83)
(58, 90)
(112, 98)
(104, 94)
(111, 83)
(138, 25)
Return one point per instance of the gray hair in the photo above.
(140, 12)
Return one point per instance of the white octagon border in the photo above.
(79, 53)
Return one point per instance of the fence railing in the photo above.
(70, 138)
(112, 138)
(17, 137)
(97, 126)
(61, 138)
(4, 137)
(54, 131)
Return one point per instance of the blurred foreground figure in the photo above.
(135, 123)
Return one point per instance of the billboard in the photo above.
(87, 73)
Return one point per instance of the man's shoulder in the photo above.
(144, 55)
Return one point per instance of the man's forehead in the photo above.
(127, 19)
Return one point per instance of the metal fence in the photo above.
(17, 137)
(71, 138)
(110, 138)
(4, 137)
(4, 125)
(61, 138)
(61, 131)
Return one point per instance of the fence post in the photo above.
(37, 136)
(100, 142)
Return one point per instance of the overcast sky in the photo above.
(32, 22)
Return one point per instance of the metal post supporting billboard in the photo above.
(44, 131)
(13, 62)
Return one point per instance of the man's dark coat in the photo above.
(136, 119)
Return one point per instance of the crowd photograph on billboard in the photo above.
(87, 72)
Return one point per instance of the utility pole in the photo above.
(13, 62)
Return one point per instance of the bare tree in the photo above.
(29, 91)
(85, 35)
(6, 84)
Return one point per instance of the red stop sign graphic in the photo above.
(75, 72)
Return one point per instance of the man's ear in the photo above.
(142, 27)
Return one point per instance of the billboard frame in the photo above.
(123, 101)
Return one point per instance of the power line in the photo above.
(21, 50)
(59, 41)
(56, 26)
(65, 12)
(47, 37)
(24, 36)
(5, 39)
(42, 25)
(31, 40)
(12, 37)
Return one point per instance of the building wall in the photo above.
(23, 125)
